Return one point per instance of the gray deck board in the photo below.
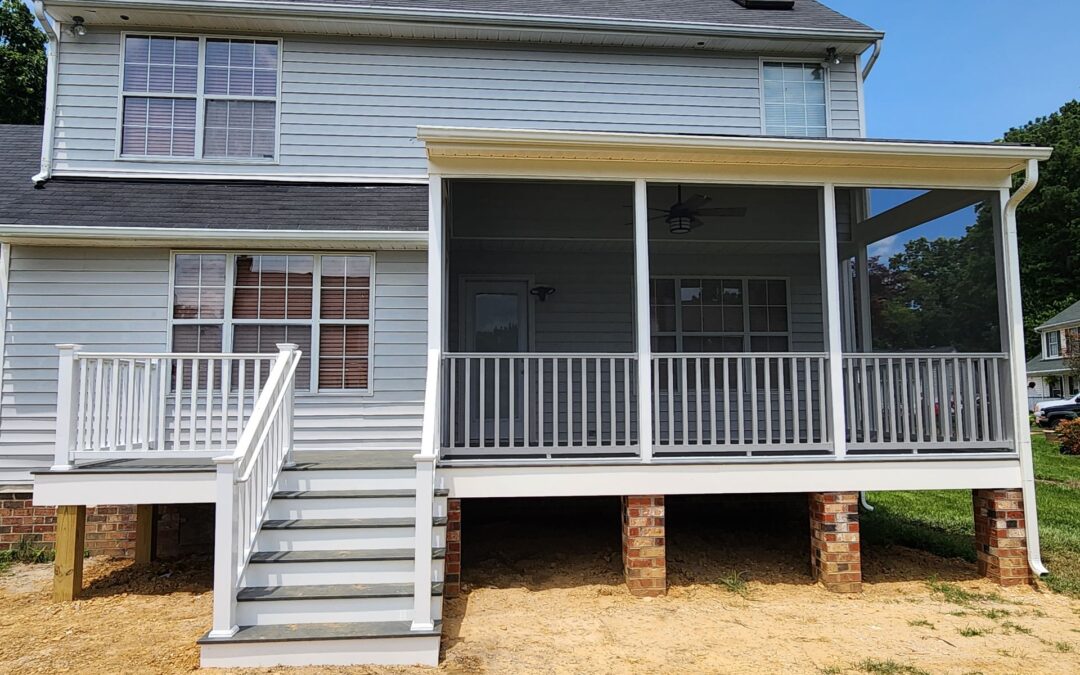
(330, 592)
(324, 631)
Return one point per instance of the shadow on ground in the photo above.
(192, 574)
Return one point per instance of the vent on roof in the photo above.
(767, 4)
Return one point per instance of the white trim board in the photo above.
(747, 478)
(72, 488)
(164, 236)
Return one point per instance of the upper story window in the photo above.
(795, 100)
(1053, 344)
(199, 98)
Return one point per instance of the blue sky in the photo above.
(965, 70)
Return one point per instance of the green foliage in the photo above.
(888, 667)
(1069, 435)
(736, 582)
(26, 550)
(22, 65)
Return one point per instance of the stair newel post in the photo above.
(425, 511)
(67, 396)
(288, 351)
(225, 550)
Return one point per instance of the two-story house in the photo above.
(335, 267)
(1049, 377)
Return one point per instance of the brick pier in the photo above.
(644, 545)
(835, 549)
(1001, 536)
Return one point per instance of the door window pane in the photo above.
(497, 322)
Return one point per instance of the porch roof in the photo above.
(753, 159)
(1041, 366)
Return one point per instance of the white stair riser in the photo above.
(345, 539)
(398, 651)
(348, 572)
(349, 479)
(323, 610)
(367, 507)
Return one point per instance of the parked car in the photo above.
(1053, 403)
(1049, 416)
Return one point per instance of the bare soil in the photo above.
(549, 598)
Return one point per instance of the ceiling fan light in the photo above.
(680, 224)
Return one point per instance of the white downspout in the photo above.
(53, 34)
(1027, 464)
(873, 60)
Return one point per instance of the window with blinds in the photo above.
(252, 302)
(795, 99)
(166, 112)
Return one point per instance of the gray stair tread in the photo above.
(331, 591)
(345, 523)
(333, 460)
(350, 494)
(341, 556)
(324, 631)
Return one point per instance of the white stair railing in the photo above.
(246, 481)
(425, 495)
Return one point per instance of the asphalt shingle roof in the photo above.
(808, 14)
(1037, 366)
(179, 203)
(1070, 315)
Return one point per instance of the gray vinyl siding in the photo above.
(352, 106)
(118, 300)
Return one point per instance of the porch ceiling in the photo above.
(746, 159)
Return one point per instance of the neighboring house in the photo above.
(336, 267)
(1049, 377)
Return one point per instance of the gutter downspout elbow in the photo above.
(872, 60)
(52, 32)
(1027, 464)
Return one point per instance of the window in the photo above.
(251, 302)
(164, 112)
(1053, 344)
(795, 99)
(696, 315)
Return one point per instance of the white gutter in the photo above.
(493, 18)
(1027, 463)
(872, 61)
(49, 126)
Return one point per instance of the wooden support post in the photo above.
(145, 523)
(70, 545)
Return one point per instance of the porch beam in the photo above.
(862, 275)
(830, 291)
(643, 330)
(918, 211)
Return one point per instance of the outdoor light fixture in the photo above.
(832, 58)
(78, 26)
(542, 292)
(680, 224)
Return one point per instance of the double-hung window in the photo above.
(249, 303)
(702, 315)
(1053, 344)
(795, 99)
(199, 98)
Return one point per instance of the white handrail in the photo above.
(425, 494)
(246, 479)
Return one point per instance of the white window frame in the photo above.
(746, 334)
(827, 82)
(1046, 345)
(200, 103)
(227, 323)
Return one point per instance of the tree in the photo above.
(22, 65)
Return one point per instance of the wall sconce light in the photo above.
(542, 292)
(832, 58)
(78, 26)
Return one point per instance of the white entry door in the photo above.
(497, 322)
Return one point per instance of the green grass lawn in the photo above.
(941, 521)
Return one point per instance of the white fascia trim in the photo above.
(1061, 325)
(157, 174)
(417, 239)
(434, 135)
(496, 19)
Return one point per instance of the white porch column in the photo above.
(830, 299)
(643, 332)
(862, 274)
(1011, 317)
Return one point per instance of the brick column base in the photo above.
(644, 549)
(452, 586)
(835, 555)
(1001, 537)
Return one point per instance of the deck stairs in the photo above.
(331, 581)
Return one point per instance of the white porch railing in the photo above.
(927, 403)
(245, 484)
(740, 403)
(524, 403)
(149, 405)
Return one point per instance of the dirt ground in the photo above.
(549, 599)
